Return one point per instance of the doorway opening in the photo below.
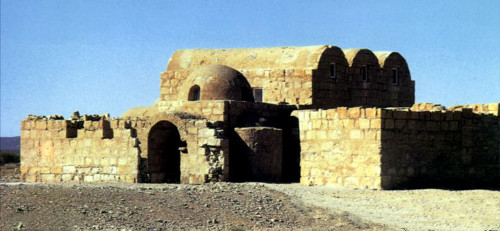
(164, 160)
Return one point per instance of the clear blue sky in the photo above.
(106, 56)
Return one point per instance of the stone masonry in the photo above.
(400, 147)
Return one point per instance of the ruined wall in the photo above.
(400, 148)
(203, 150)
(340, 146)
(221, 117)
(232, 113)
(77, 151)
(259, 154)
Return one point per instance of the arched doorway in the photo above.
(164, 158)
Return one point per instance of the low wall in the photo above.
(77, 151)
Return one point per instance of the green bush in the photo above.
(8, 157)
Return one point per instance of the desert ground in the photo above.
(238, 206)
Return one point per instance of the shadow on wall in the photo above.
(451, 150)
(291, 150)
(256, 154)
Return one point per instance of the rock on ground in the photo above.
(220, 206)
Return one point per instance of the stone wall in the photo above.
(332, 92)
(117, 150)
(232, 113)
(203, 148)
(293, 86)
(449, 148)
(218, 121)
(402, 93)
(259, 155)
(78, 151)
(400, 148)
(212, 110)
(349, 89)
(340, 146)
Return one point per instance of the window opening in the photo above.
(333, 71)
(257, 94)
(194, 93)
(395, 76)
(364, 73)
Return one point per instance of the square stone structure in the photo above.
(319, 115)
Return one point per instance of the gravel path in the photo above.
(428, 209)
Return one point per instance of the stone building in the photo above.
(319, 115)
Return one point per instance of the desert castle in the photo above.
(319, 115)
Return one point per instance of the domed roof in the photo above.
(216, 82)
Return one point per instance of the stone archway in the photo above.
(163, 162)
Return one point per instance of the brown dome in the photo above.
(216, 82)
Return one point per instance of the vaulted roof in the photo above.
(249, 58)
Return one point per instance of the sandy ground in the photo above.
(428, 209)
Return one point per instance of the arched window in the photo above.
(194, 93)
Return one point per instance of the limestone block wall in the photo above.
(221, 117)
(259, 154)
(340, 146)
(327, 91)
(349, 89)
(233, 113)
(491, 108)
(314, 86)
(401, 148)
(293, 86)
(77, 151)
(212, 110)
(301, 75)
(203, 151)
(401, 94)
